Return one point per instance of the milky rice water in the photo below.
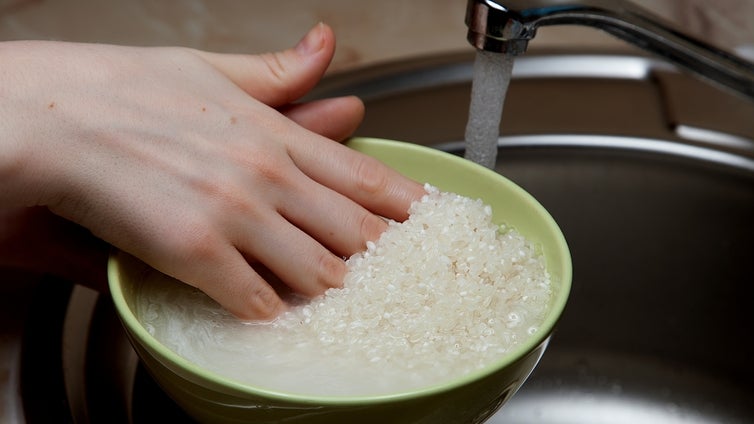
(442, 294)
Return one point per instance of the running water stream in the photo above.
(492, 75)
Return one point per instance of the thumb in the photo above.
(279, 78)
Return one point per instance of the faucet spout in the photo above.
(507, 26)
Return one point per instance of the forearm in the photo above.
(31, 165)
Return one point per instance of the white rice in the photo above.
(442, 294)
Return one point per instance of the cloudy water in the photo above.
(492, 75)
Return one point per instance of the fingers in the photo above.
(279, 78)
(335, 221)
(335, 118)
(295, 243)
(230, 281)
(281, 250)
(227, 266)
(292, 255)
(359, 177)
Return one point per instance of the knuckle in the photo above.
(275, 65)
(371, 227)
(331, 270)
(278, 77)
(196, 243)
(263, 168)
(262, 300)
(225, 196)
(370, 176)
(246, 296)
(273, 174)
(228, 195)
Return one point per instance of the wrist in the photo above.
(24, 165)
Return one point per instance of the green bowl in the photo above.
(211, 398)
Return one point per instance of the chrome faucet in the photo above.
(506, 26)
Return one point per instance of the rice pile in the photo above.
(442, 294)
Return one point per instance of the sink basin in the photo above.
(650, 174)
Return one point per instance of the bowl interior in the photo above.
(511, 205)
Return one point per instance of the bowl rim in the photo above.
(558, 303)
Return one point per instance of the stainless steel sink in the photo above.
(650, 174)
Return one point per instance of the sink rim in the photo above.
(618, 142)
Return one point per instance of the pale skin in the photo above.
(198, 163)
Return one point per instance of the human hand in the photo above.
(198, 163)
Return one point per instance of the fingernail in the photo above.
(312, 41)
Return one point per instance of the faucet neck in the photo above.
(507, 26)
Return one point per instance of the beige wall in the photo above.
(368, 31)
